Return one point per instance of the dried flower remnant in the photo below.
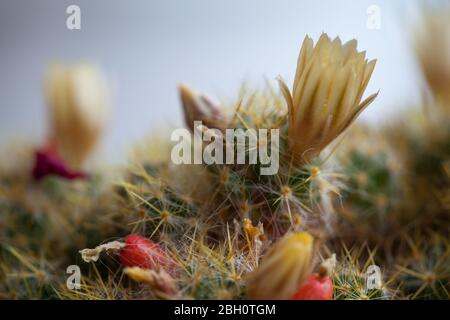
(48, 162)
(252, 231)
(198, 107)
(79, 103)
(283, 269)
(255, 236)
(329, 83)
(92, 255)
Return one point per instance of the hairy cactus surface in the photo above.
(290, 201)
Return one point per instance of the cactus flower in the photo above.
(329, 83)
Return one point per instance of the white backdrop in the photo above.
(147, 47)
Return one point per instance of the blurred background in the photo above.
(147, 48)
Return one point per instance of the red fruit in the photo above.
(144, 253)
(316, 287)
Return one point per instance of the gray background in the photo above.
(147, 47)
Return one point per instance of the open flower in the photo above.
(198, 107)
(329, 83)
(79, 104)
(283, 269)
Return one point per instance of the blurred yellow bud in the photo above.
(283, 268)
(78, 98)
(158, 280)
(433, 51)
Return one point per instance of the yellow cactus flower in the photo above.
(329, 83)
(283, 269)
(79, 103)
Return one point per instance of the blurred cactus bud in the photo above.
(433, 51)
(197, 107)
(79, 105)
(160, 281)
(283, 269)
(329, 83)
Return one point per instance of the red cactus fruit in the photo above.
(315, 288)
(318, 286)
(144, 253)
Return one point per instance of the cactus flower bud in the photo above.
(160, 281)
(283, 268)
(433, 52)
(79, 102)
(329, 83)
(198, 107)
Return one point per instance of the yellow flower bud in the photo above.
(283, 268)
(433, 51)
(79, 105)
(329, 83)
(159, 281)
